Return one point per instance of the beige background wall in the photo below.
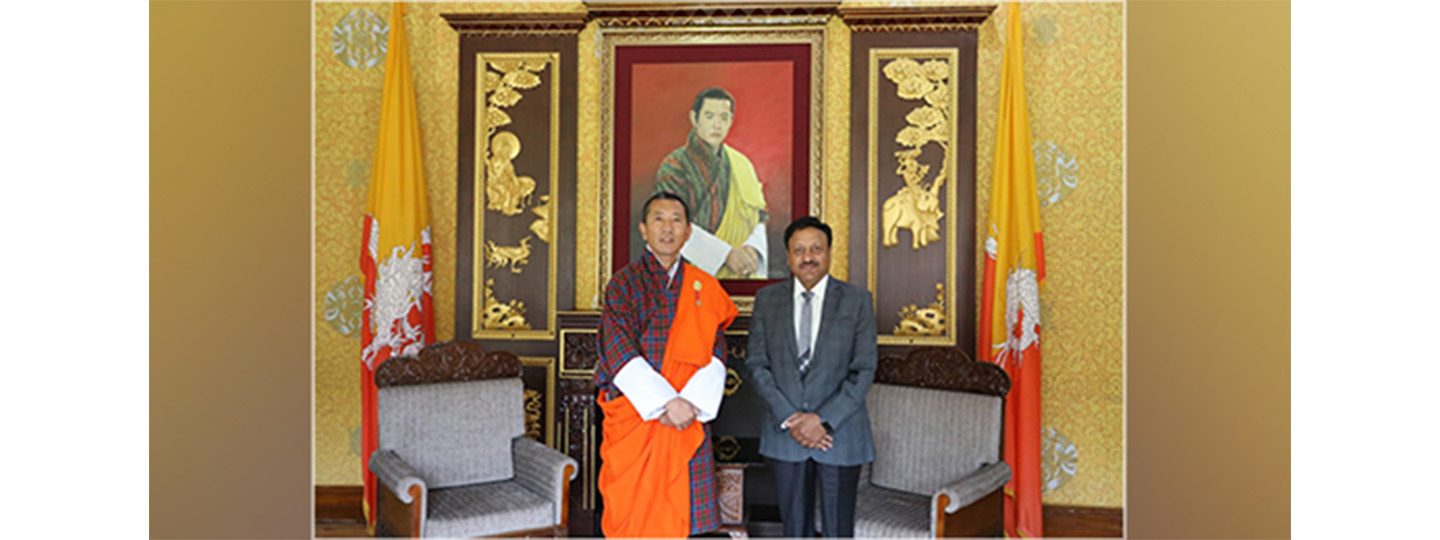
(1074, 77)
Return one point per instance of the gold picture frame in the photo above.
(614, 35)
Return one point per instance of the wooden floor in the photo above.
(341, 529)
(331, 528)
(338, 515)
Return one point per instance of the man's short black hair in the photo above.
(714, 92)
(806, 222)
(645, 210)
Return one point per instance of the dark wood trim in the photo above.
(915, 18)
(944, 368)
(397, 518)
(940, 503)
(984, 517)
(515, 23)
(447, 361)
(339, 503)
(1084, 521)
(564, 525)
(633, 14)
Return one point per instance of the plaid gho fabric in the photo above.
(639, 307)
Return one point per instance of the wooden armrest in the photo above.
(984, 517)
(396, 518)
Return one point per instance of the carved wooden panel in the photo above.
(581, 439)
(579, 352)
(731, 482)
(447, 362)
(945, 368)
(516, 175)
(538, 374)
(912, 171)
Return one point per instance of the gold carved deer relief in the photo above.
(916, 206)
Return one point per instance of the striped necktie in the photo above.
(806, 319)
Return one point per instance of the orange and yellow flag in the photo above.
(398, 318)
(1009, 331)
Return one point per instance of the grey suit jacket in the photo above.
(835, 384)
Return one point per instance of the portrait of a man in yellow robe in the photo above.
(723, 191)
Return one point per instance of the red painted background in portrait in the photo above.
(655, 88)
(663, 95)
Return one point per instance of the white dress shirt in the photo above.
(648, 391)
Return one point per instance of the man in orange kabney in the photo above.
(660, 378)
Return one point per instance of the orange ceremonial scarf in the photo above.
(646, 478)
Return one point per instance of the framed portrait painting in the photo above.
(727, 119)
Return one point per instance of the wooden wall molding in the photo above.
(918, 18)
(1083, 521)
(515, 23)
(339, 503)
(655, 14)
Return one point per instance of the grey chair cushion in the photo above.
(486, 509)
(926, 438)
(455, 433)
(887, 513)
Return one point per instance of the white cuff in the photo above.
(647, 390)
(758, 241)
(705, 388)
(705, 250)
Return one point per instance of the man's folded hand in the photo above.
(678, 413)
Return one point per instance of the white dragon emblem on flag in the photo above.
(400, 286)
(1022, 309)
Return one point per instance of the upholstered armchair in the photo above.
(453, 460)
(937, 417)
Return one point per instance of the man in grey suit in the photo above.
(811, 358)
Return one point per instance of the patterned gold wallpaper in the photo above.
(1074, 77)
(348, 82)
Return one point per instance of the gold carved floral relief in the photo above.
(926, 321)
(503, 316)
(541, 225)
(532, 414)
